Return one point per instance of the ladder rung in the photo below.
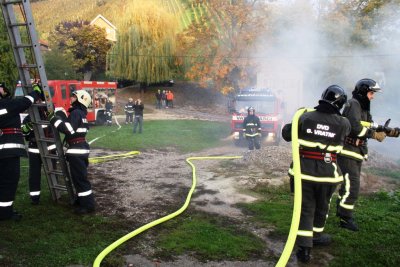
(24, 46)
(56, 172)
(51, 156)
(60, 187)
(18, 24)
(28, 66)
(39, 105)
(47, 140)
(42, 122)
(11, 2)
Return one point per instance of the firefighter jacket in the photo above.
(138, 109)
(75, 128)
(109, 106)
(356, 146)
(11, 139)
(29, 135)
(251, 126)
(129, 108)
(321, 135)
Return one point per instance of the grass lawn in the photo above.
(51, 235)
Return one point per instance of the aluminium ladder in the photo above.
(22, 34)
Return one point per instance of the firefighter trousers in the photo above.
(9, 177)
(35, 174)
(78, 166)
(314, 211)
(349, 189)
(253, 141)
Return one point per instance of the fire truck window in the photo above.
(260, 106)
(111, 94)
(63, 91)
(72, 88)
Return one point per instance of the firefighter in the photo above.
(12, 146)
(109, 111)
(75, 128)
(252, 129)
(321, 135)
(35, 161)
(129, 111)
(355, 149)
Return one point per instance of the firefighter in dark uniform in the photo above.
(35, 161)
(109, 111)
(129, 111)
(75, 128)
(252, 129)
(355, 149)
(12, 146)
(321, 136)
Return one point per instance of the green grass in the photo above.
(183, 135)
(378, 216)
(51, 235)
(209, 239)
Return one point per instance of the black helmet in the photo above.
(250, 109)
(334, 95)
(364, 86)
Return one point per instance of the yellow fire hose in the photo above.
(296, 205)
(297, 191)
(113, 157)
(139, 230)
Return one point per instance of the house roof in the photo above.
(103, 18)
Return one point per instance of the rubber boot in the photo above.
(321, 239)
(304, 254)
(349, 224)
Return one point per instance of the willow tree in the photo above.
(145, 43)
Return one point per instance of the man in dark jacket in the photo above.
(355, 149)
(321, 134)
(12, 146)
(138, 107)
(252, 129)
(75, 128)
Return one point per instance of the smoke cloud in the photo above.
(299, 55)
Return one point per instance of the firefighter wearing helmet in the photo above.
(252, 129)
(321, 134)
(75, 127)
(355, 149)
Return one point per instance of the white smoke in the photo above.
(298, 59)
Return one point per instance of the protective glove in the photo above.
(394, 132)
(50, 115)
(27, 128)
(38, 89)
(379, 136)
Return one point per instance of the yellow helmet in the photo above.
(83, 97)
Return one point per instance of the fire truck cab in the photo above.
(269, 108)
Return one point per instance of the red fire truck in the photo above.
(61, 91)
(269, 108)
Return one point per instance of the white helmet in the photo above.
(83, 97)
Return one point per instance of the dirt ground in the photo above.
(156, 183)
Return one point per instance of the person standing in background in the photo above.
(138, 107)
